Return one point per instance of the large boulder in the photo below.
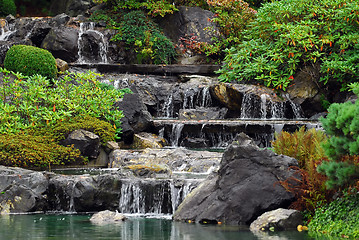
(247, 185)
(62, 43)
(22, 190)
(137, 118)
(190, 21)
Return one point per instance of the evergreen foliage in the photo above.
(290, 34)
(342, 125)
(7, 7)
(30, 60)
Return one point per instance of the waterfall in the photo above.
(154, 196)
(297, 110)
(206, 100)
(277, 110)
(169, 107)
(199, 97)
(176, 133)
(247, 106)
(6, 30)
(86, 27)
(263, 106)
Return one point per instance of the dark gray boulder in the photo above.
(137, 118)
(62, 43)
(22, 190)
(87, 142)
(247, 185)
(71, 7)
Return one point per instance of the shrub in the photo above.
(7, 7)
(30, 60)
(39, 152)
(289, 34)
(32, 102)
(342, 125)
(305, 146)
(232, 16)
(142, 35)
(340, 218)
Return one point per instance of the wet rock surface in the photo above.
(247, 185)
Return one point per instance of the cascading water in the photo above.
(176, 133)
(87, 27)
(6, 30)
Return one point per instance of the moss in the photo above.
(39, 152)
(62, 129)
(30, 60)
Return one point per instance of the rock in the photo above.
(71, 7)
(202, 113)
(87, 142)
(110, 146)
(247, 184)
(137, 118)
(150, 170)
(277, 220)
(59, 20)
(102, 160)
(147, 140)
(62, 43)
(190, 21)
(61, 65)
(22, 190)
(107, 217)
(178, 159)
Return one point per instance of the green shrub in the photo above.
(32, 102)
(340, 218)
(7, 7)
(290, 34)
(30, 60)
(342, 125)
(142, 35)
(39, 152)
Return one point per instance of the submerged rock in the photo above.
(277, 220)
(107, 217)
(247, 184)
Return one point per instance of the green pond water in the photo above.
(62, 226)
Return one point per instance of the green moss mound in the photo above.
(62, 129)
(30, 60)
(37, 152)
(7, 7)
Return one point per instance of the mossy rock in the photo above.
(147, 140)
(30, 60)
(150, 170)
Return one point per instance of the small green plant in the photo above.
(340, 218)
(290, 34)
(30, 60)
(7, 7)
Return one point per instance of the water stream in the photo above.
(6, 30)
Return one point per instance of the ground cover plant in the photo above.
(290, 34)
(37, 112)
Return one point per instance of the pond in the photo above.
(68, 226)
